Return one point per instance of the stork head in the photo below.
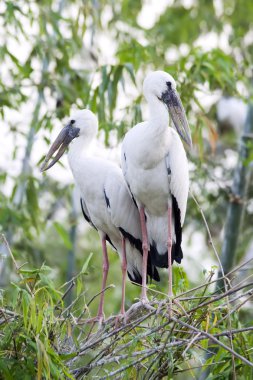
(82, 123)
(162, 85)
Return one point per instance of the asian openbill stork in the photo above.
(105, 200)
(155, 167)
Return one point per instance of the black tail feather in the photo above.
(137, 278)
(151, 270)
(137, 243)
(161, 260)
(177, 253)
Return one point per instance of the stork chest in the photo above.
(150, 186)
(146, 168)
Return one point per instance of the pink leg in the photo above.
(124, 269)
(100, 314)
(145, 249)
(169, 250)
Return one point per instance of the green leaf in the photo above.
(32, 200)
(86, 264)
(63, 234)
(130, 69)
(25, 306)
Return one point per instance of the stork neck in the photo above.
(158, 115)
(77, 149)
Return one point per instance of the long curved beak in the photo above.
(177, 113)
(67, 134)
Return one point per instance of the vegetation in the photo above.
(149, 344)
(58, 55)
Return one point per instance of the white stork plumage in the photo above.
(155, 167)
(105, 199)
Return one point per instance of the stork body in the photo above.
(157, 179)
(108, 206)
(155, 167)
(105, 200)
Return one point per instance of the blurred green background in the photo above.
(61, 55)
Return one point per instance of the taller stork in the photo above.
(155, 167)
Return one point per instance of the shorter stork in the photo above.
(105, 200)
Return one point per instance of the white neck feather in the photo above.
(77, 149)
(158, 115)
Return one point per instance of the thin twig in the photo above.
(163, 348)
(191, 343)
(91, 300)
(15, 264)
(225, 278)
(231, 311)
(211, 337)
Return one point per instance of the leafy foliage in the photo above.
(43, 338)
(56, 55)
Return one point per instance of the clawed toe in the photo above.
(170, 310)
(120, 319)
(98, 319)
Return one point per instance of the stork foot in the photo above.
(144, 303)
(138, 309)
(172, 306)
(98, 319)
(119, 319)
(144, 300)
(180, 306)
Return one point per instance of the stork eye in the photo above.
(169, 85)
(72, 121)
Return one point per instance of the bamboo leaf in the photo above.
(63, 234)
(86, 264)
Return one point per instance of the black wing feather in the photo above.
(129, 188)
(161, 260)
(85, 214)
(87, 218)
(107, 200)
(177, 253)
(137, 243)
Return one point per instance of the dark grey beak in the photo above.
(177, 113)
(61, 143)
